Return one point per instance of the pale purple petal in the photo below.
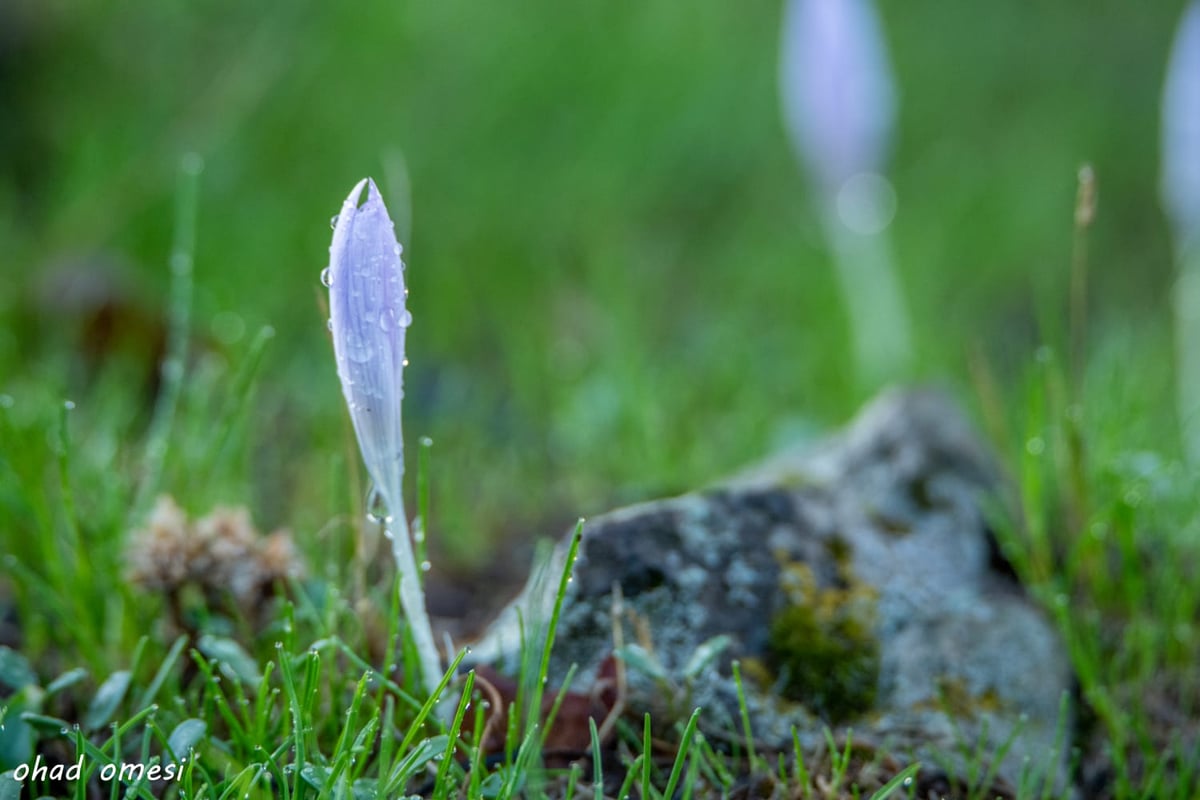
(1181, 130)
(836, 86)
(369, 318)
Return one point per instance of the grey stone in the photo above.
(881, 525)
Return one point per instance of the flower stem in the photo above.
(413, 602)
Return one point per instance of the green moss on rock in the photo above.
(822, 645)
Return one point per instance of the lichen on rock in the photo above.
(856, 581)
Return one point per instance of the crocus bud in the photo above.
(368, 319)
(839, 106)
(836, 86)
(1181, 131)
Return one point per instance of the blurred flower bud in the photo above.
(837, 91)
(1181, 131)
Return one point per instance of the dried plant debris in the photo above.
(221, 555)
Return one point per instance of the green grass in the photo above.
(619, 291)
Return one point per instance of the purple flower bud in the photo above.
(368, 318)
(1181, 131)
(836, 85)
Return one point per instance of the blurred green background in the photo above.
(619, 283)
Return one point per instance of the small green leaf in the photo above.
(421, 754)
(15, 672)
(186, 735)
(16, 740)
(108, 697)
(901, 780)
(365, 789)
(231, 658)
(16, 736)
(492, 784)
(69, 678)
(10, 787)
(42, 722)
(315, 776)
(638, 659)
(705, 654)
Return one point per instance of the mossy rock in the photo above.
(822, 646)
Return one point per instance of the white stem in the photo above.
(880, 329)
(1187, 347)
(412, 600)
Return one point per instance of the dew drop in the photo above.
(405, 318)
(327, 276)
(329, 324)
(404, 363)
(358, 348)
(385, 320)
(376, 509)
(333, 221)
(426, 566)
(69, 405)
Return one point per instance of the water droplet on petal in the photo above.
(333, 221)
(405, 318)
(385, 320)
(329, 324)
(358, 348)
(404, 363)
(327, 276)
(426, 566)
